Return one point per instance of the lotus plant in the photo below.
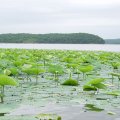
(70, 81)
(115, 65)
(95, 84)
(56, 70)
(115, 75)
(6, 80)
(33, 71)
(85, 69)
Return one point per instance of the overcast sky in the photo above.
(100, 17)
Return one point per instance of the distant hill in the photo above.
(73, 38)
(112, 41)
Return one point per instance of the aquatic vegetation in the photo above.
(85, 69)
(3, 63)
(33, 71)
(6, 80)
(70, 82)
(115, 65)
(115, 75)
(53, 68)
(46, 58)
(68, 60)
(56, 70)
(111, 113)
(14, 71)
(66, 68)
(114, 93)
(95, 85)
(89, 88)
(71, 65)
(18, 63)
(44, 116)
(7, 72)
(92, 107)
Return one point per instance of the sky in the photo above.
(99, 17)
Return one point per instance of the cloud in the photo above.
(59, 15)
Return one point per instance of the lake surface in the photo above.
(101, 47)
(68, 102)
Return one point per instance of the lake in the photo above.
(101, 47)
(70, 102)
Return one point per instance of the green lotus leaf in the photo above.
(54, 68)
(92, 107)
(96, 81)
(7, 72)
(6, 80)
(70, 82)
(114, 93)
(86, 68)
(115, 74)
(100, 86)
(48, 117)
(72, 65)
(89, 88)
(33, 71)
(14, 71)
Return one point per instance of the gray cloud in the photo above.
(37, 16)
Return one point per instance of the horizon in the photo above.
(61, 33)
(61, 16)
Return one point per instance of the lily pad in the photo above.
(111, 113)
(43, 116)
(92, 107)
(114, 93)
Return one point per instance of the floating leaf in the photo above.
(111, 113)
(48, 117)
(92, 107)
(115, 74)
(114, 93)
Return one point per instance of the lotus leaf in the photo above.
(48, 117)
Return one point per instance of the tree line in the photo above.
(71, 38)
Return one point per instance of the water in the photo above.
(101, 47)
